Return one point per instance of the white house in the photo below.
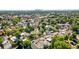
(14, 38)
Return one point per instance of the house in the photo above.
(37, 44)
(64, 26)
(0, 26)
(2, 32)
(14, 39)
(49, 32)
(1, 17)
(41, 42)
(62, 32)
(49, 39)
(46, 43)
(6, 43)
(24, 35)
(23, 24)
(77, 37)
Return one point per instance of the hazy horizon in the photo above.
(39, 4)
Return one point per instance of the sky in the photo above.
(39, 4)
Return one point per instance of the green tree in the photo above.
(1, 40)
(29, 28)
(61, 45)
(15, 20)
(73, 36)
(16, 33)
(59, 37)
(27, 43)
(75, 27)
(41, 30)
(35, 34)
(56, 38)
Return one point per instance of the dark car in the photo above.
(72, 43)
(77, 31)
(74, 40)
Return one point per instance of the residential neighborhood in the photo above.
(39, 30)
